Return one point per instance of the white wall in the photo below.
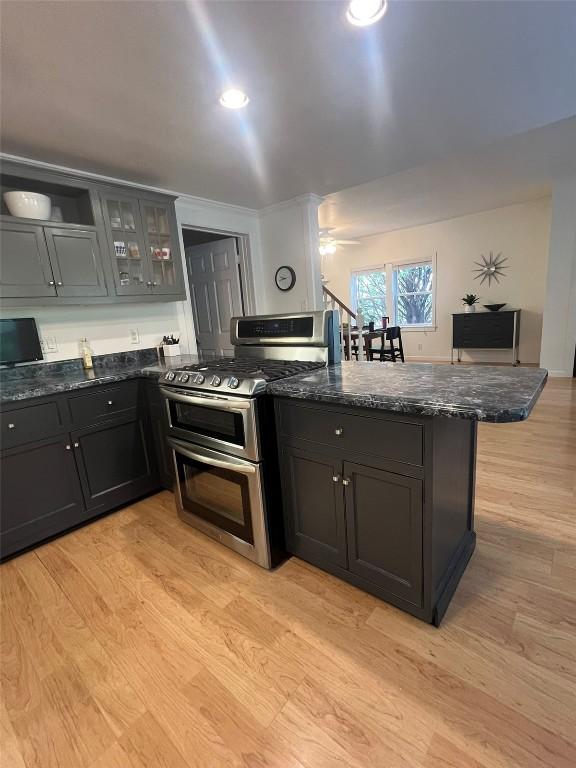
(289, 236)
(520, 232)
(559, 328)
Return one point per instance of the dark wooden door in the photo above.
(40, 493)
(115, 462)
(314, 506)
(76, 262)
(24, 263)
(384, 522)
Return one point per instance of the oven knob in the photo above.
(215, 381)
(183, 378)
(169, 376)
(233, 382)
(199, 379)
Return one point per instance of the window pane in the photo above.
(369, 291)
(414, 294)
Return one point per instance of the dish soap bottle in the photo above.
(86, 354)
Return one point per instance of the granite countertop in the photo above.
(28, 381)
(474, 392)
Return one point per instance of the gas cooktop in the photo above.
(245, 376)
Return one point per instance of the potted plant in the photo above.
(469, 301)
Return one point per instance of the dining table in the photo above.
(367, 339)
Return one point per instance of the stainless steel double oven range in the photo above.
(221, 428)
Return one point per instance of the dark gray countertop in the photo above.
(28, 381)
(475, 392)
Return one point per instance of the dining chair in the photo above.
(395, 350)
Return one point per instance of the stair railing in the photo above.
(331, 301)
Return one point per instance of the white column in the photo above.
(559, 319)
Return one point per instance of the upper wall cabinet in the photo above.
(144, 240)
(102, 244)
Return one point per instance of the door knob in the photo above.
(345, 481)
(338, 431)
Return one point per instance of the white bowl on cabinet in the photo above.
(28, 205)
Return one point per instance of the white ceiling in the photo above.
(130, 89)
(509, 171)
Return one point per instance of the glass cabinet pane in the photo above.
(132, 272)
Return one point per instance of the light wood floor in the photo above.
(138, 643)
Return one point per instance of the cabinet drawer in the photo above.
(353, 432)
(103, 402)
(26, 425)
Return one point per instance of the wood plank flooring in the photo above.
(137, 642)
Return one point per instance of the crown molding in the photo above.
(301, 200)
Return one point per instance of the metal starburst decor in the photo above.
(490, 268)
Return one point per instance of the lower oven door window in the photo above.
(218, 489)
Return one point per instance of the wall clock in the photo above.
(285, 278)
(490, 268)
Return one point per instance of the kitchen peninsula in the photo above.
(378, 470)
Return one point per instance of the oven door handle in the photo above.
(222, 404)
(234, 465)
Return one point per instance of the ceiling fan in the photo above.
(328, 243)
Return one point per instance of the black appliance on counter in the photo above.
(19, 342)
(221, 428)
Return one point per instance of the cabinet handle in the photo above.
(150, 283)
(154, 283)
(345, 481)
(51, 282)
(76, 445)
(338, 431)
(68, 447)
(336, 478)
(11, 426)
(59, 282)
(110, 402)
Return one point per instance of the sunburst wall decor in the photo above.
(490, 268)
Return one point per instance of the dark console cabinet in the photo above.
(68, 458)
(384, 501)
(486, 330)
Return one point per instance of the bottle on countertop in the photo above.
(86, 354)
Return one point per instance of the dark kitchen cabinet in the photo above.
(65, 460)
(115, 462)
(382, 500)
(114, 244)
(315, 522)
(145, 252)
(40, 493)
(25, 269)
(76, 262)
(384, 524)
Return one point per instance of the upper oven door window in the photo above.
(208, 421)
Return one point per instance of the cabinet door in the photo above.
(384, 521)
(76, 262)
(40, 494)
(162, 248)
(24, 264)
(130, 263)
(314, 506)
(115, 462)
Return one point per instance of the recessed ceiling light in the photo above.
(361, 13)
(234, 98)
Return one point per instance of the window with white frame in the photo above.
(409, 298)
(369, 294)
(413, 299)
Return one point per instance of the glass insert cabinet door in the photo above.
(129, 258)
(160, 244)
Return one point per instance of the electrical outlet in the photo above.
(419, 347)
(134, 336)
(49, 344)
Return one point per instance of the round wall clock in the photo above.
(285, 278)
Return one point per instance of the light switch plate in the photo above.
(49, 344)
